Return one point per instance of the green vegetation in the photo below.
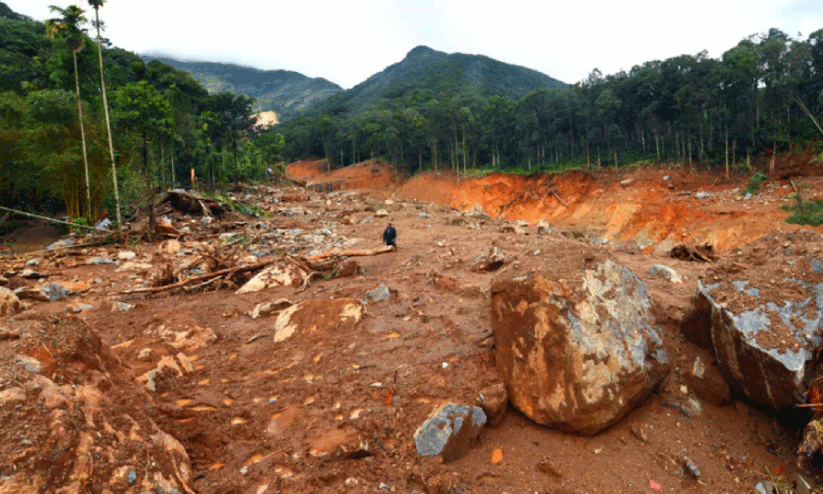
(753, 186)
(806, 212)
(434, 111)
(61, 150)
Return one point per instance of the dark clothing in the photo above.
(390, 236)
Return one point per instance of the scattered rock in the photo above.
(347, 267)
(96, 261)
(121, 306)
(379, 294)
(543, 227)
(494, 400)
(269, 308)
(702, 195)
(666, 272)
(345, 443)
(280, 273)
(30, 274)
(490, 261)
(87, 415)
(579, 359)
(450, 431)
(9, 303)
(126, 255)
(381, 213)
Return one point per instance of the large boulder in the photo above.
(577, 352)
(760, 312)
(316, 315)
(75, 420)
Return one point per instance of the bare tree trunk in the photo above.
(82, 137)
(108, 121)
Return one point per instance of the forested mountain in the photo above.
(55, 151)
(283, 91)
(445, 75)
(762, 96)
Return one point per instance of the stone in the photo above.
(279, 273)
(9, 303)
(381, 213)
(490, 261)
(30, 274)
(184, 334)
(494, 400)
(450, 431)
(543, 227)
(126, 255)
(96, 261)
(577, 354)
(269, 308)
(170, 246)
(90, 420)
(666, 272)
(703, 377)
(318, 315)
(121, 307)
(345, 443)
(54, 291)
(379, 294)
(347, 267)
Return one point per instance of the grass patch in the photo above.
(754, 184)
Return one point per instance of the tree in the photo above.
(96, 4)
(70, 22)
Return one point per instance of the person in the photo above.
(390, 236)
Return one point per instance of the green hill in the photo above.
(283, 91)
(443, 75)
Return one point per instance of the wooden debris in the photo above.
(698, 253)
(202, 277)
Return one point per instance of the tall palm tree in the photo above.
(96, 4)
(70, 21)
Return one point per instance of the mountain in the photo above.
(444, 75)
(282, 91)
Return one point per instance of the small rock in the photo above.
(690, 468)
(449, 431)
(666, 272)
(494, 400)
(54, 291)
(381, 213)
(423, 215)
(347, 267)
(543, 227)
(121, 307)
(99, 261)
(702, 195)
(489, 261)
(33, 262)
(379, 294)
(126, 255)
(78, 307)
(268, 308)
(30, 274)
(344, 443)
(765, 487)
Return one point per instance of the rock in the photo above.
(163, 228)
(134, 266)
(33, 262)
(450, 431)
(268, 308)
(666, 272)
(121, 307)
(186, 335)
(95, 261)
(763, 330)
(765, 487)
(54, 291)
(626, 182)
(88, 417)
(379, 294)
(30, 274)
(347, 267)
(155, 363)
(577, 358)
(317, 315)
(126, 255)
(170, 246)
(702, 195)
(280, 273)
(381, 213)
(704, 379)
(543, 227)
(9, 303)
(343, 443)
(61, 244)
(490, 261)
(494, 400)
(78, 307)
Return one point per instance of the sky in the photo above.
(348, 41)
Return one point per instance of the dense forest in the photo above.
(65, 131)
(762, 96)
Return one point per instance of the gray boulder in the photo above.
(450, 431)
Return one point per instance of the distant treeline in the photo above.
(761, 96)
(163, 122)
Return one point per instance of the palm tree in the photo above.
(70, 22)
(96, 4)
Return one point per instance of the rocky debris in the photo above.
(49, 292)
(156, 364)
(763, 322)
(450, 431)
(494, 400)
(577, 357)
(697, 253)
(345, 443)
(543, 227)
(666, 272)
(30, 274)
(379, 294)
(184, 334)
(267, 309)
(75, 418)
(489, 261)
(315, 315)
(9, 303)
(280, 273)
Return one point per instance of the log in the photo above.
(350, 253)
(193, 279)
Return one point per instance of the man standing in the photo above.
(390, 236)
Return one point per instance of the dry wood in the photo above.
(214, 275)
(559, 199)
(349, 253)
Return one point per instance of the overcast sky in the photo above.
(348, 41)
